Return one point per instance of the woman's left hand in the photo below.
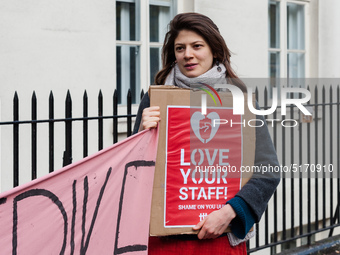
(215, 223)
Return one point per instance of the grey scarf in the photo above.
(211, 77)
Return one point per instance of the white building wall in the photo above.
(244, 26)
(185, 6)
(48, 45)
(329, 39)
(56, 44)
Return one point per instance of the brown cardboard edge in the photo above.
(157, 209)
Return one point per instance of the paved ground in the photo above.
(331, 251)
(329, 246)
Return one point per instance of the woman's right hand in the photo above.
(150, 117)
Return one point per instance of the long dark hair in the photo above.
(206, 28)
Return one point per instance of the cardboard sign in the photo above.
(198, 161)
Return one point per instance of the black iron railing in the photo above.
(302, 206)
(68, 120)
(307, 202)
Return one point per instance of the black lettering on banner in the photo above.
(83, 248)
(3, 200)
(55, 199)
(135, 247)
(86, 193)
(74, 211)
(31, 193)
(59, 204)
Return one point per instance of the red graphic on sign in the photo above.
(203, 163)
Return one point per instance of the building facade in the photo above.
(105, 45)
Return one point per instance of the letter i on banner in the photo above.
(126, 239)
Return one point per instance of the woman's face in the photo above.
(193, 54)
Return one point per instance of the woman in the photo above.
(193, 52)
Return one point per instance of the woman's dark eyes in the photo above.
(194, 46)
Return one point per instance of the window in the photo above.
(140, 30)
(295, 40)
(159, 18)
(127, 48)
(274, 39)
(287, 33)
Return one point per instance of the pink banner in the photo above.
(99, 205)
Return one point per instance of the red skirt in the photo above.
(177, 246)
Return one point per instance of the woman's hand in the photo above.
(215, 223)
(150, 117)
